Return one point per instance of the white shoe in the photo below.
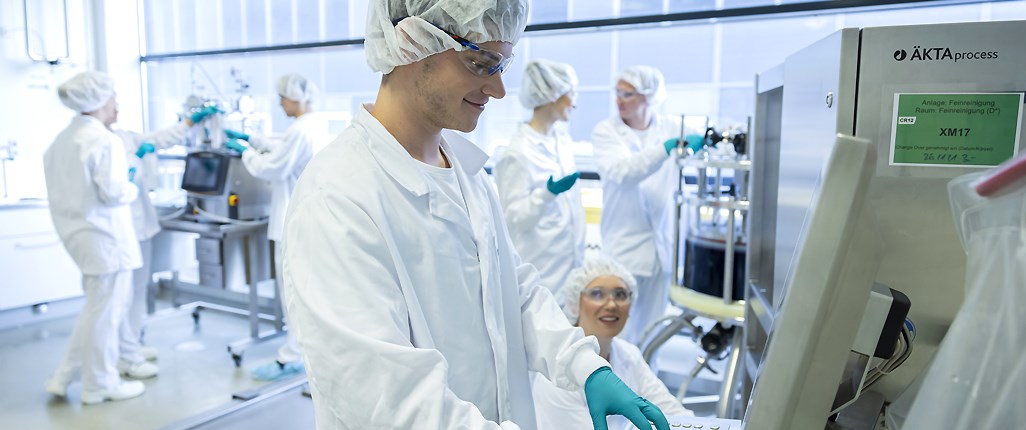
(141, 370)
(55, 387)
(124, 390)
(148, 352)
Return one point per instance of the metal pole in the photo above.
(679, 201)
(728, 259)
(725, 408)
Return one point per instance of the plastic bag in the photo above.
(978, 377)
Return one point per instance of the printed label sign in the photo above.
(955, 130)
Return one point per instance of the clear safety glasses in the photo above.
(624, 95)
(621, 296)
(480, 61)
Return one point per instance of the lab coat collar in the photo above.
(394, 159)
(89, 120)
(469, 157)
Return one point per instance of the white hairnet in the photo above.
(86, 91)
(296, 88)
(570, 294)
(545, 82)
(647, 81)
(413, 37)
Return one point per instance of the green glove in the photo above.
(232, 134)
(131, 174)
(145, 148)
(562, 185)
(202, 114)
(234, 145)
(608, 395)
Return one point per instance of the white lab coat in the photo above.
(90, 196)
(547, 230)
(280, 161)
(368, 253)
(638, 182)
(560, 409)
(144, 215)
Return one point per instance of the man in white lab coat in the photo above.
(280, 162)
(89, 191)
(411, 306)
(638, 181)
(536, 177)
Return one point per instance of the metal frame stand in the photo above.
(249, 304)
(729, 311)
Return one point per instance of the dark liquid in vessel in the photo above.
(703, 267)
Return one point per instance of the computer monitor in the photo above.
(205, 172)
(828, 285)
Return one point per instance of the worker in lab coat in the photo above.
(410, 303)
(597, 297)
(281, 161)
(536, 177)
(89, 192)
(632, 152)
(134, 359)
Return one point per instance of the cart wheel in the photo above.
(237, 358)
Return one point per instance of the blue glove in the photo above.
(232, 134)
(145, 148)
(234, 145)
(608, 395)
(131, 174)
(203, 114)
(562, 185)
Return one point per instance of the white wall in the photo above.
(31, 114)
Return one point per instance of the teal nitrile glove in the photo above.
(694, 142)
(131, 174)
(563, 184)
(203, 114)
(234, 145)
(232, 134)
(145, 148)
(608, 395)
(670, 145)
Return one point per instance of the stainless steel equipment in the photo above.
(708, 280)
(905, 237)
(222, 190)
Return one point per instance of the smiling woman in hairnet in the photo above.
(535, 177)
(638, 180)
(597, 297)
(410, 303)
(281, 161)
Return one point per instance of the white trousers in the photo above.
(93, 347)
(130, 332)
(289, 352)
(648, 305)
